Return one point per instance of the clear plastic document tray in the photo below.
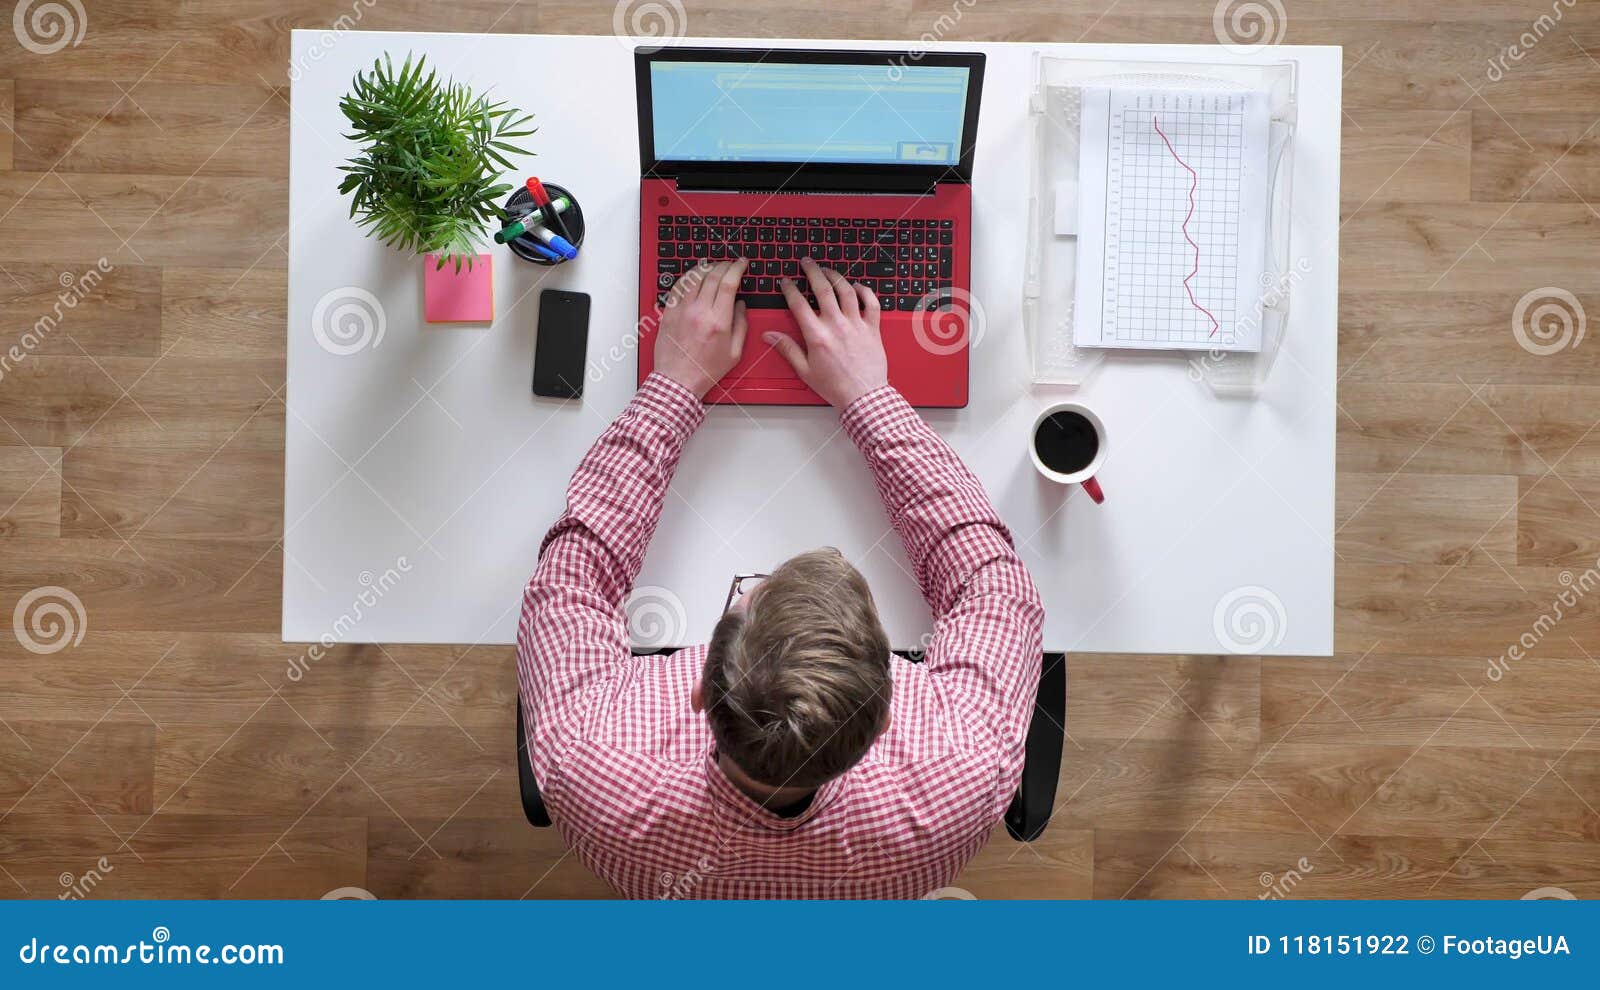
(1051, 269)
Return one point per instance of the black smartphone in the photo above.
(562, 346)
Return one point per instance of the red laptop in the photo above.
(861, 160)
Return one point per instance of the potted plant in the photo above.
(432, 152)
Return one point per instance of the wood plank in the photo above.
(76, 768)
(1558, 522)
(177, 493)
(224, 313)
(429, 771)
(1144, 864)
(1469, 247)
(157, 584)
(1422, 336)
(1392, 700)
(1391, 155)
(251, 856)
(1056, 866)
(174, 402)
(77, 309)
(1461, 611)
(1469, 428)
(1150, 698)
(242, 41)
(225, 680)
(30, 491)
(144, 219)
(152, 128)
(7, 123)
(1170, 784)
(1447, 791)
(1513, 160)
(475, 858)
(1427, 518)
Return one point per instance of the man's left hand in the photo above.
(702, 327)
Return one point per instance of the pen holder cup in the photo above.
(520, 202)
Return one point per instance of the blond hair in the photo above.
(796, 684)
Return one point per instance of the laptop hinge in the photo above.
(889, 183)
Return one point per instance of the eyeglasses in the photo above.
(742, 584)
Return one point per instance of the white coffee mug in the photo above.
(1085, 475)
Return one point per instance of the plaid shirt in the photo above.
(629, 771)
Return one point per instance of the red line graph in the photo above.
(1194, 183)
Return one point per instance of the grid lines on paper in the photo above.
(1175, 268)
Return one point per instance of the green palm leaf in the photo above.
(425, 177)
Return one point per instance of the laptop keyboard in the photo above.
(907, 263)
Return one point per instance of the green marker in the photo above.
(530, 220)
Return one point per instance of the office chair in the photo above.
(1030, 809)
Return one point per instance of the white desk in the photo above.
(430, 446)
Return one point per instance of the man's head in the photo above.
(796, 680)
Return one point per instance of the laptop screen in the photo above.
(867, 114)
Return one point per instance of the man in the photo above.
(793, 756)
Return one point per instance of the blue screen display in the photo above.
(775, 112)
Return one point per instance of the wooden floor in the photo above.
(141, 460)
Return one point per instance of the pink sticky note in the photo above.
(449, 296)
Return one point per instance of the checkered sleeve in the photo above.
(988, 619)
(572, 640)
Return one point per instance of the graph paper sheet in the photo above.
(1172, 219)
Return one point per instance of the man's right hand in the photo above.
(843, 356)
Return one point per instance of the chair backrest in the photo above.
(1030, 809)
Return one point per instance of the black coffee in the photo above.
(1066, 442)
